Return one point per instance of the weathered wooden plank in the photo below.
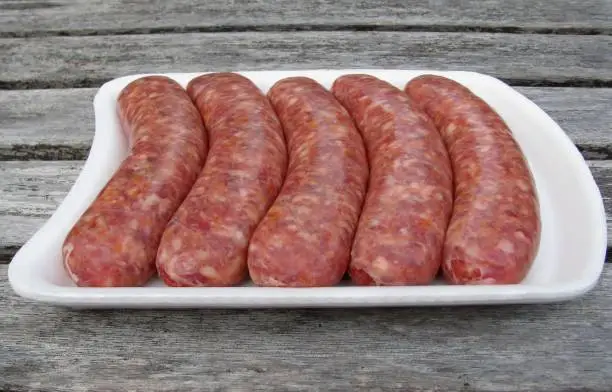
(30, 191)
(58, 124)
(521, 59)
(32, 17)
(602, 173)
(582, 112)
(46, 124)
(556, 347)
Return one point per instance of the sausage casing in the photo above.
(401, 231)
(305, 238)
(115, 241)
(494, 231)
(206, 242)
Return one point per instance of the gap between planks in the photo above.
(519, 59)
(30, 191)
(278, 28)
(59, 124)
(38, 18)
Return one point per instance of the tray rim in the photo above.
(234, 297)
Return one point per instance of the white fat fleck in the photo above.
(209, 272)
(374, 223)
(479, 205)
(486, 138)
(388, 126)
(269, 281)
(243, 192)
(308, 237)
(472, 251)
(177, 243)
(220, 198)
(238, 236)
(163, 254)
(303, 210)
(451, 128)
(403, 231)
(151, 200)
(519, 235)
(506, 246)
(201, 255)
(292, 101)
(209, 95)
(380, 264)
(390, 181)
(522, 185)
(240, 175)
(134, 224)
(275, 242)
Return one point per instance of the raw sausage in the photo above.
(494, 231)
(305, 238)
(115, 241)
(206, 242)
(401, 231)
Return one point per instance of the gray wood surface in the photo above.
(30, 191)
(521, 59)
(555, 347)
(49, 124)
(558, 53)
(35, 17)
(58, 124)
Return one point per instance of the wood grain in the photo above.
(561, 347)
(46, 124)
(58, 124)
(555, 347)
(30, 191)
(35, 17)
(520, 59)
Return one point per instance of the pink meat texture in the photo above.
(206, 242)
(400, 236)
(305, 238)
(115, 241)
(494, 232)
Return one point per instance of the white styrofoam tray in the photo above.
(568, 264)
